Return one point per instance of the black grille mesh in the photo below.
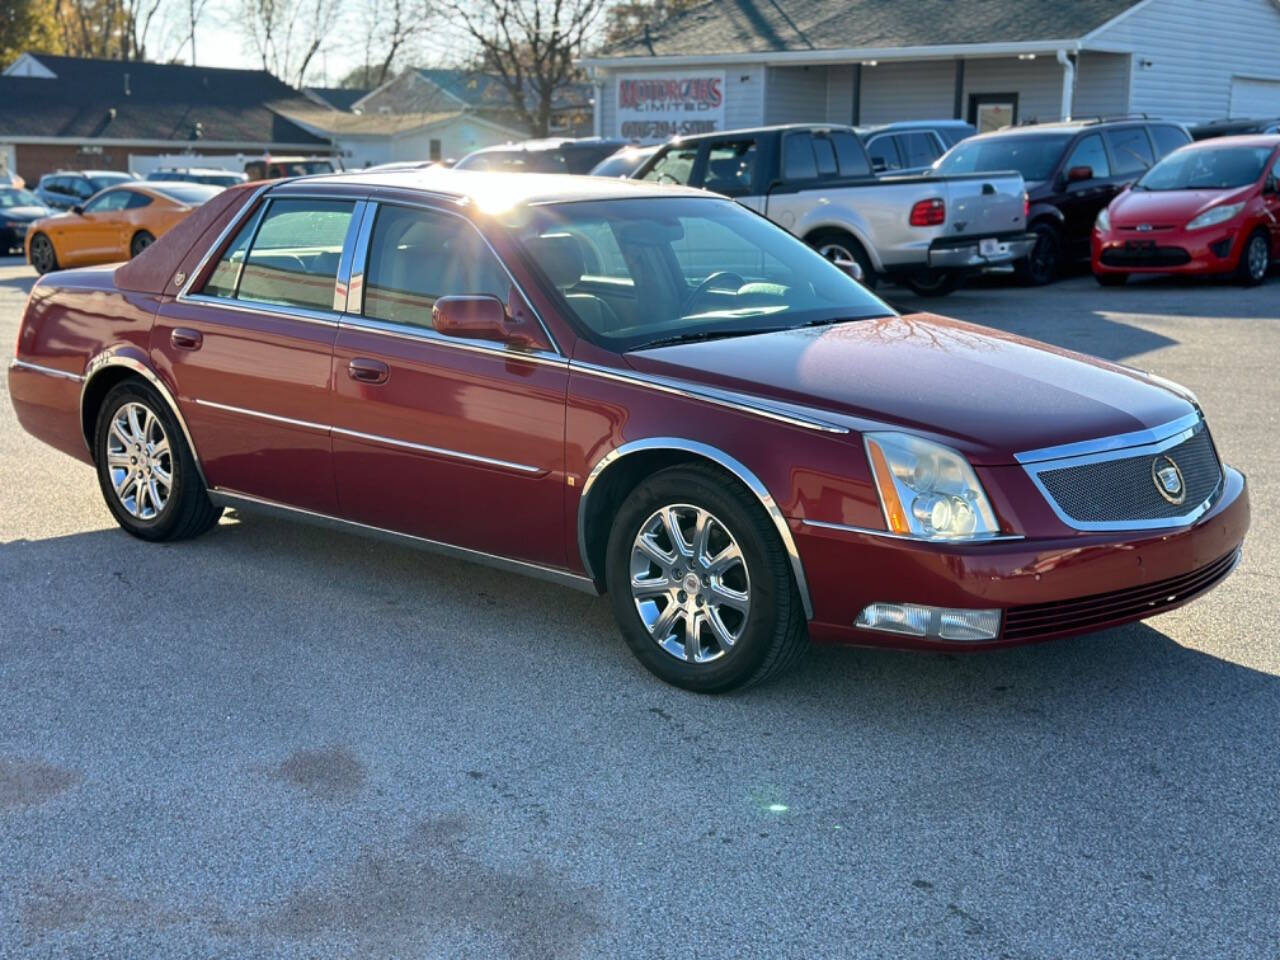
(1114, 491)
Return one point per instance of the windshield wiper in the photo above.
(695, 336)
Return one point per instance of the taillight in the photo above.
(929, 213)
(1026, 205)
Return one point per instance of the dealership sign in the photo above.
(655, 107)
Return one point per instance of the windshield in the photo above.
(13, 197)
(516, 161)
(101, 181)
(1032, 156)
(640, 272)
(192, 194)
(1207, 168)
(621, 164)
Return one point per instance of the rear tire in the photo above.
(733, 584)
(141, 240)
(1111, 279)
(43, 257)
(1042, 264)
(838, 245)
(932, 283)
(1255, 259)
(146, 471)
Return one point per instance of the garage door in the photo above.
(1255, 98)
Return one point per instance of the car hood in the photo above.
(1168, 207)
(985, 392)
(24, 213)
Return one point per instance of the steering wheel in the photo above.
(705, 285)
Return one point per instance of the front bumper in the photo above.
(1214, 250)
(1044, 588)
(968, 253)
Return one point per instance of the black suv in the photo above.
(69, 188)
(1072, 171)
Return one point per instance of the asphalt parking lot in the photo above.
(278, 741)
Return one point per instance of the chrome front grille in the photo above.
(1163, 482)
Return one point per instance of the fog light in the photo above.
(941, 623)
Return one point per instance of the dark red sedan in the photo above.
(1212, 207)
(633, 388)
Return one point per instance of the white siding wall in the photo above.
(839, 94)
(796, 95)
(1195, 47)
(1102, 84)
(744, 92)
(1037, 82)
(908, 91)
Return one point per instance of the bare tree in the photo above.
(287, 35)
(390, 29)
(530, 46)
(110, 29)
(192, 13)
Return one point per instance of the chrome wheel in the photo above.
(690, 583)
(1259, 257)
(139, 461)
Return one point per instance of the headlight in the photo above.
(927, 490)
(1103, 224)
(1215, 215)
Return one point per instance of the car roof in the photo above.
(1239, 140)
(753, 131)
(552, 143)
(916, 125)
(514, 189)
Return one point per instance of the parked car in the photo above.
(1072, 171)
(624, 162)
(210, 176)
(554, 155)
(924, 231)
(115, 224)
(621, 387)
(268, 167)
(67, 188)
(912, 146)
(1209, 208)
(18, 208)
(1234, 126)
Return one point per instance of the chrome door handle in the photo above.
(184, 339)
(368, 371)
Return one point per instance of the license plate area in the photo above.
(989, 247)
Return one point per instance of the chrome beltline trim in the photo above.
(736, 467)
(375, 438)
(323, 317)
(440, 451)
(47, 371)
(428, 335)
(1119, 441)
(1103, 454)
(971, 541)
(721, 398)
(231, 498)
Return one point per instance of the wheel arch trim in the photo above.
(129, 358)
(717, 456)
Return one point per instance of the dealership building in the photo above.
(726, 64)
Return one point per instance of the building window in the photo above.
(991, 111)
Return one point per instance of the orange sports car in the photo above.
(114, 224)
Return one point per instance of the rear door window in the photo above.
(920, 148)
(1130, 150)
(1090, 153)
(1168, 138)
(293, 258)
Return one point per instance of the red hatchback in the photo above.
(1212, 207)
(631, 388)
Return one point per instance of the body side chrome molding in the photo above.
(847, 528)
(47, 371)
(374, 438)
(234, 499)
(1120, 441)
(734, 466)
(428, 335)
(104, 361)
(779, 411)
(1107, 452)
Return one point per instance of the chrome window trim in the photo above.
(47, 371)
(105, 360)
(923, 541)
(1105, 451)
(428, 335)
(782, 412)
(734, 466)
(361, 259)
(357, 265)
(341, 287)
(328, 428)
(1119, 441)
(235, 499)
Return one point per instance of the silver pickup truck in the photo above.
(925, 231)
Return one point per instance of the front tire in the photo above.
(141, 240)
(146, 471)
(1042, 265)
(700, 583)
(1255, 259)
(43, 257)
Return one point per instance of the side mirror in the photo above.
(1271, 185)
(1077, 174)
(77, 208)
(478, 318)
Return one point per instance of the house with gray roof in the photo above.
(725, 64)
